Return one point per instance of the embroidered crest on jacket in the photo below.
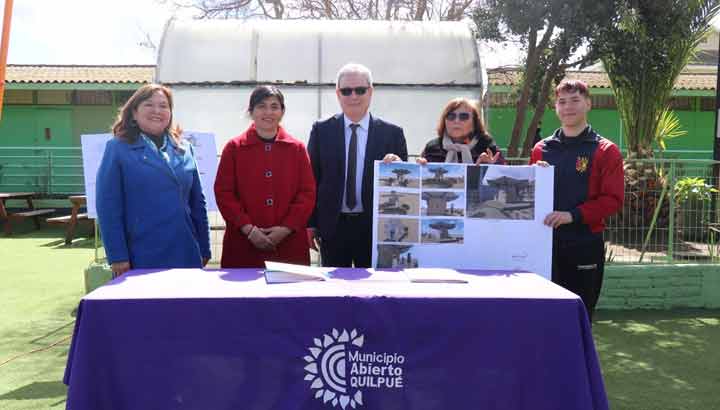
(581, 164)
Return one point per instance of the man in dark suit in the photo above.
(342, 150)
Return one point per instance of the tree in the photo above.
(444, 10)
(551, 31)
(644, 47)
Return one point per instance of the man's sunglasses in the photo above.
(346, 91)
(452, 116)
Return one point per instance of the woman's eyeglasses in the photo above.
(346, 91)
(462, 116)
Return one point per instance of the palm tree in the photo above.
(643, 52)
(644, 49)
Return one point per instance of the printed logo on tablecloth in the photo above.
(337, 369)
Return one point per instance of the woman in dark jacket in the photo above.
(462, 137)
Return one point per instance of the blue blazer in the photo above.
(149, 215)
(327, 155)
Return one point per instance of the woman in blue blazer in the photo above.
(149, 201)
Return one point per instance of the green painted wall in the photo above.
(25, 125)
(58, 171)
(698, 143)
(502, 118)
(92, 120)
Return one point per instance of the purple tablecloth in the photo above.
(212, 340)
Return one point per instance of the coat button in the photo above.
(268, 174)
(268, 147)
(269, 202)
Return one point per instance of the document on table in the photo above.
(434, 275)
(276, 272)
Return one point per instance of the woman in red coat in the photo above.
(265, 189)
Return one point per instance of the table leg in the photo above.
(70, 234)
(4, 217)
(31, 206)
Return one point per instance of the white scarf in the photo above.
(453, 148)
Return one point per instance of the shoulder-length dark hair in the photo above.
(261, 92)
(125, 127)
(479, 130)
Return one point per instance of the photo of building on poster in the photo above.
(442, 203)
(405, 230)
(396, 256)
(440, 230)
(440, 215)
(501, 192)
(443, 176)
(400, 175)
(399, 203)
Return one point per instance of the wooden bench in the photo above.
(8, 217)
(73, 219)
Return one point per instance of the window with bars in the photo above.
(20, 97)
(54, 97)
(121, 97)
(681, 103)
(92, 97)
(500, 99)
(603, 101)
(707, 103)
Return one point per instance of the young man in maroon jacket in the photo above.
(589, 187)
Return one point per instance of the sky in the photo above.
(109, 32)
(86, 31)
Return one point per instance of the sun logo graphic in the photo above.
(326, 368)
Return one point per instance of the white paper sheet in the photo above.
(434, 275)
(276, 272)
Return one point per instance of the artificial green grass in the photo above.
(651, 360)
(660, 360)
(41, 282)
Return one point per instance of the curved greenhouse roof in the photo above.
(310, 52)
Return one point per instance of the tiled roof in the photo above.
(118, 74)
(76, 74)
(598, 79)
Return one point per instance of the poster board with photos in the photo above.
(487, 217)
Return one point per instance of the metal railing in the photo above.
(656, 224)
(669, 215)
(49, 171)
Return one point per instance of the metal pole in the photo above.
(97, 244)
(7, 17)
(716, 145)
(50, 173)
(716, 140)
(671, 213)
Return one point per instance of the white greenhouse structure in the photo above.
(213, 65)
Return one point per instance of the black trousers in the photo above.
(351, 244)
(578, 266)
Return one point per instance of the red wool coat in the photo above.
(264, 185)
